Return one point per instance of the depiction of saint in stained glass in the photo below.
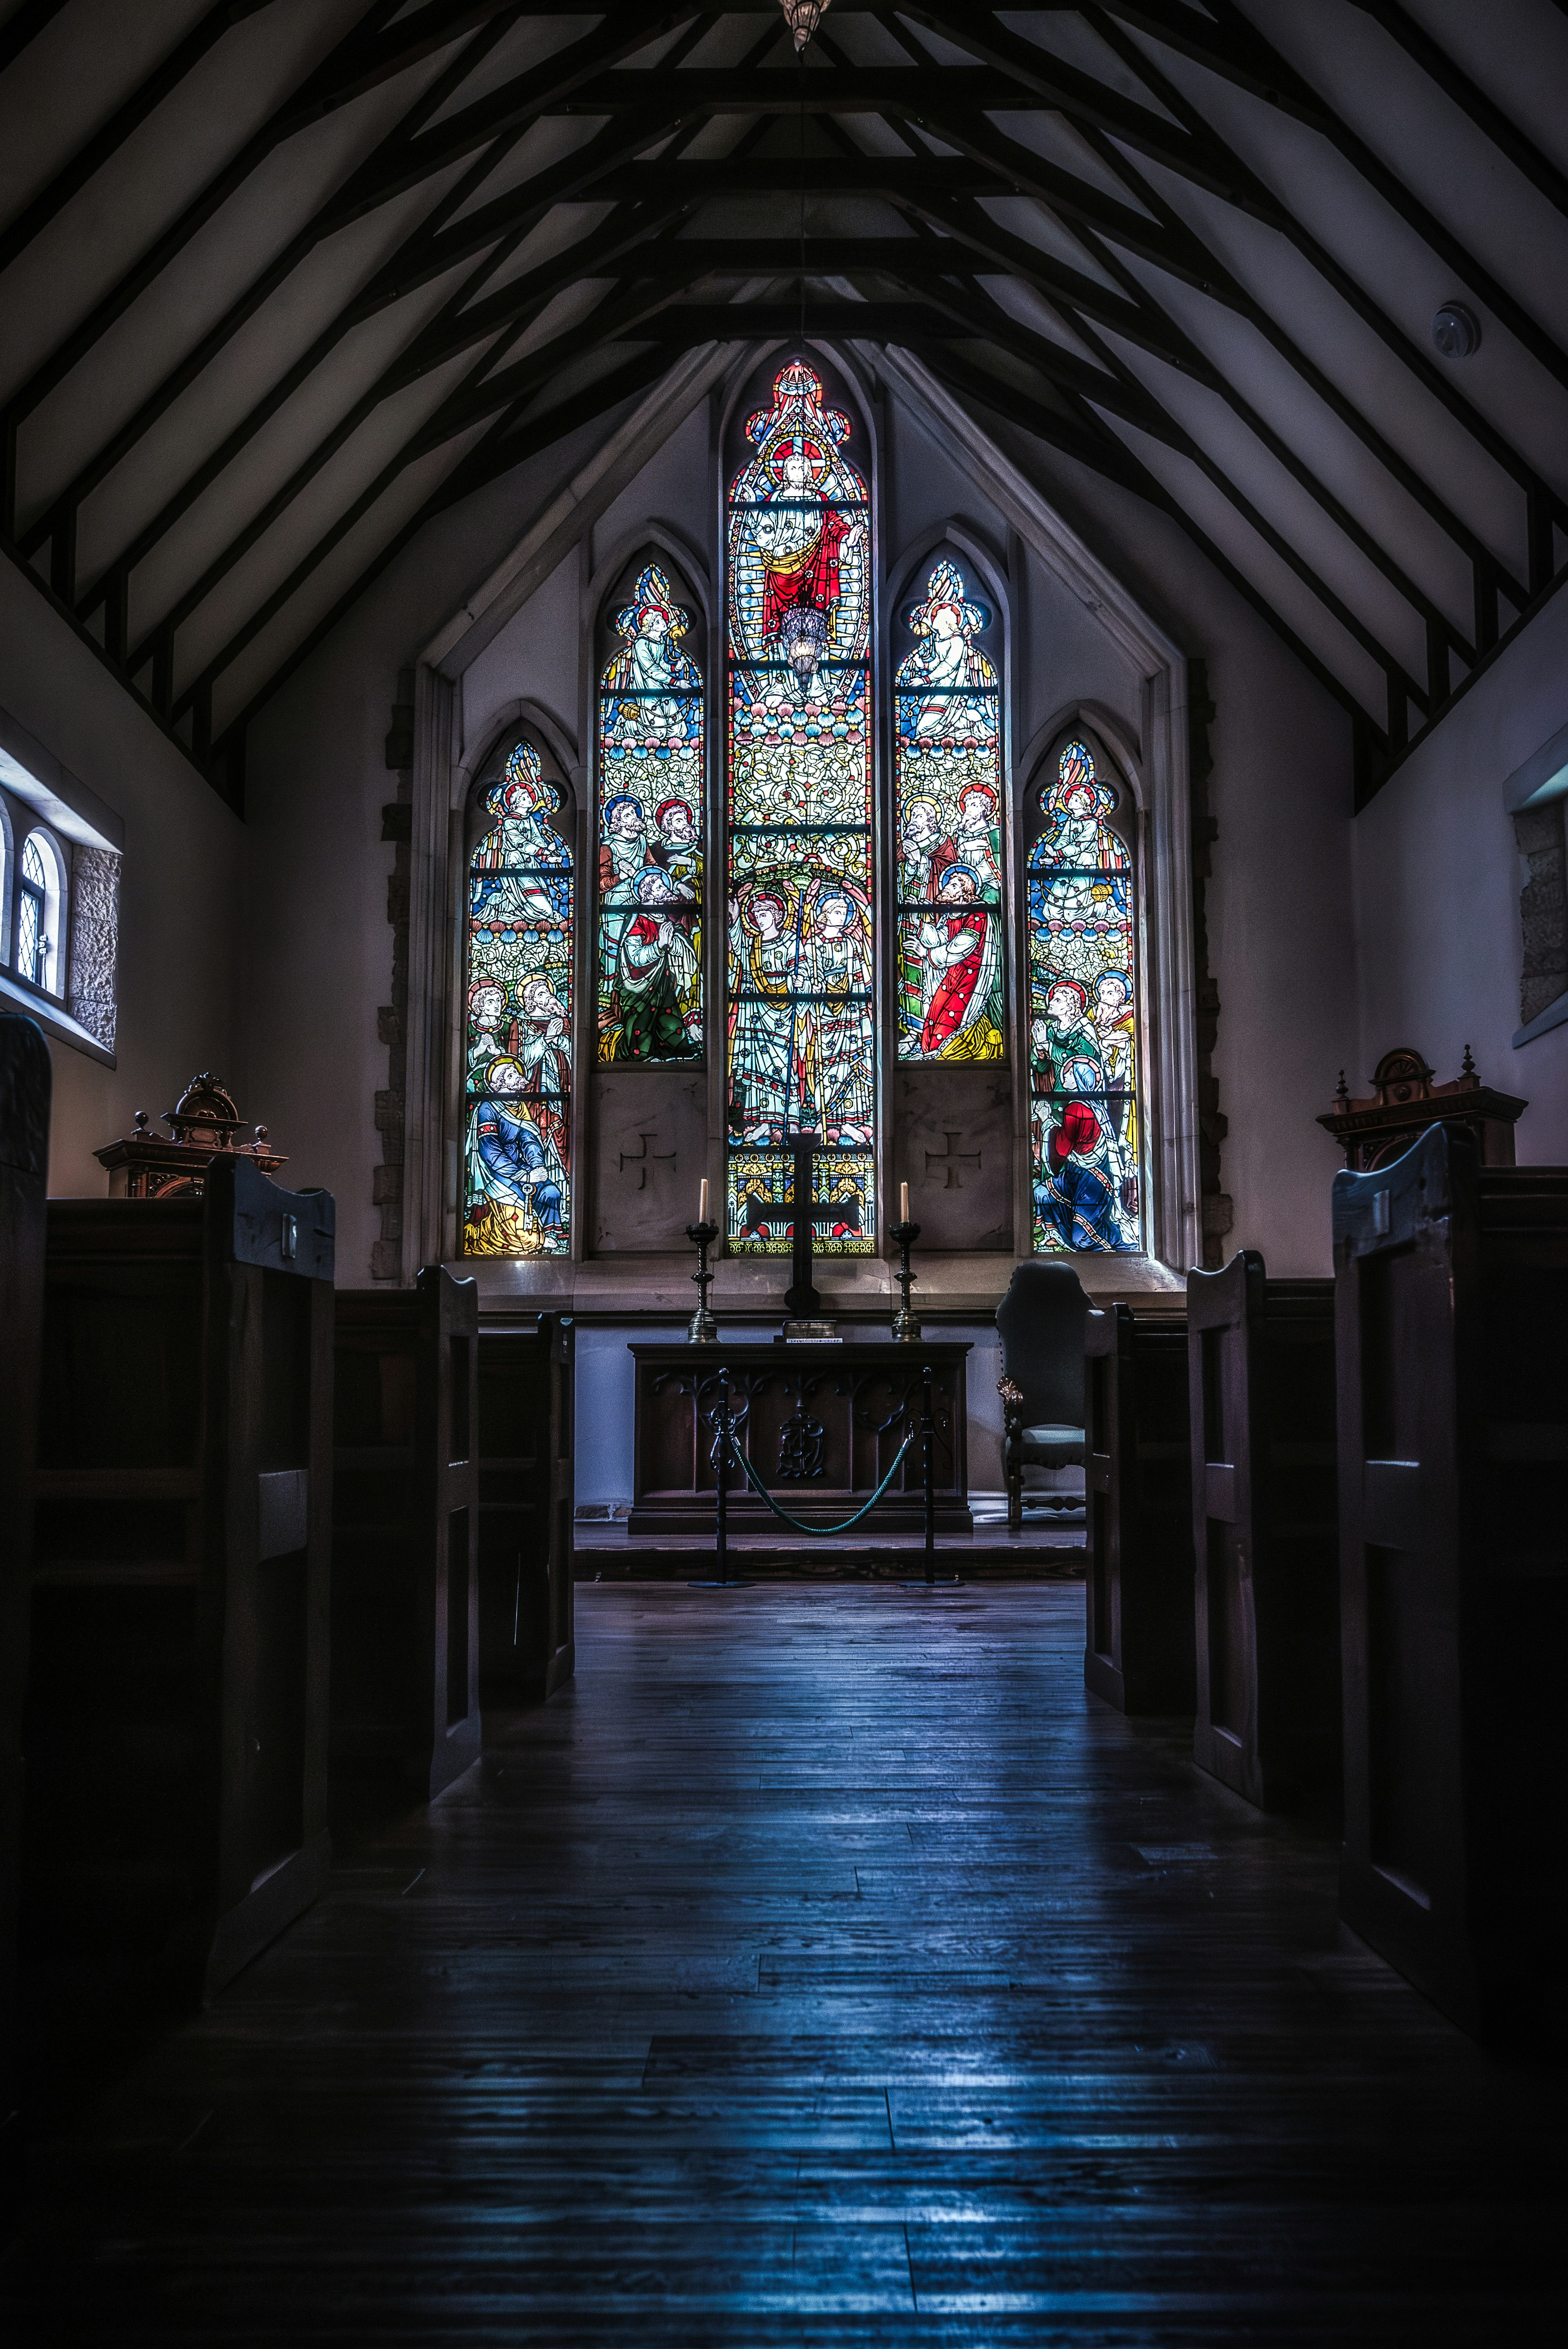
(1082, 1016)
(947, 763)
(518, 1046)
(801, 960)
(650, 836)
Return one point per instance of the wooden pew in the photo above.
(176, 1727)
(1139, 1653)
(25, 1077)
(405, 1506)
(1265, 1532)
(526, 1507)
(1450, 1304)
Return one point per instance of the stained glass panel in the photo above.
(947, 801)
(517, 1189)
(650, 836)
(1083, 1001)
(801, 1047)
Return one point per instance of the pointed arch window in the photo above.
(802, 1041)
(947, 798)
(651, 828)
(1081, 916)
(517, 1147)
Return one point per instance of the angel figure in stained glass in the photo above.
(838, 1088)
(949, 683)
(652, 669)
(765, 951)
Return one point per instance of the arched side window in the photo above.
(948, 781)
(801, 1053)
(40, 913)
(651, 808)
(1083, 1012)
(516, 1103)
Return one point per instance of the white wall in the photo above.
(180, 909)
(1437, 892)
(1281, 940)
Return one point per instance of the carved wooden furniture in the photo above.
(819, 1424)
(1403, 1102)
(1451, 1292)
(1040, 1321)
(202, 1125)
(526, 1508)
(406, 1509)
(1138, 1652)
(25, 1085)
(1265, 1532)
(176, 1725)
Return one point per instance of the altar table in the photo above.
(819, 1424)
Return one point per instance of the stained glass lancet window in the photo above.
(1083, 1005)
(947, 796)
(650, 836)
(517, 1187)
(801, 1050)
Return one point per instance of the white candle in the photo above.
(702, 1202)
(903, 1203)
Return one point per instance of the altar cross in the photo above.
(801, 1297)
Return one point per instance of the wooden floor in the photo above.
(824, 1967)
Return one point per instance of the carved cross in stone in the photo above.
(645, 1161)
(952, 1159)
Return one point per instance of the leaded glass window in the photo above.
(801, 1043)
(1083, 1009)
(651, 771)
(947, 785)
(517, 1156)
(31, 957)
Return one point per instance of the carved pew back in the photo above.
(177, 1706)
(527, 1501)
(406, 1506)
(25, 1086)
(1138, 1652)
(1265, 1532)
(1451, 1293)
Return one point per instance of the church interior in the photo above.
(783, 1172)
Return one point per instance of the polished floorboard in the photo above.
(823, 1967)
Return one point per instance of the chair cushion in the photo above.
(1053, 1435)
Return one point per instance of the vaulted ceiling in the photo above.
(281, 279)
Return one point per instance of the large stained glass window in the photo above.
(517, 1188)
(1083, 1000)
(650, 836)
(801, 1044)
(947, 780)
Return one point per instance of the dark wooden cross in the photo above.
(801, 1297)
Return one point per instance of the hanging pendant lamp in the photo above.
(803, 16)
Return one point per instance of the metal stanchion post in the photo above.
(725, 1579)
(928, 1472)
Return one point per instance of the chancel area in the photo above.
(783, 1171)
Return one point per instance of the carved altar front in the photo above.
(819, 1424)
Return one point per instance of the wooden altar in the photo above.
(819, 1424)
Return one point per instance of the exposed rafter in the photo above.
(565, 199)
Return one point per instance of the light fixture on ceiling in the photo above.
(803, 16)
(1456, 331)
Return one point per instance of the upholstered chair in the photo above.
(1041, 1323)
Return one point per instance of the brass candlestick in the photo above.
(905, 1327)
(702, 1328)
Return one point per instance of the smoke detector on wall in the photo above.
(1456, 331)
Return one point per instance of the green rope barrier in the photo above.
(763, 1493)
